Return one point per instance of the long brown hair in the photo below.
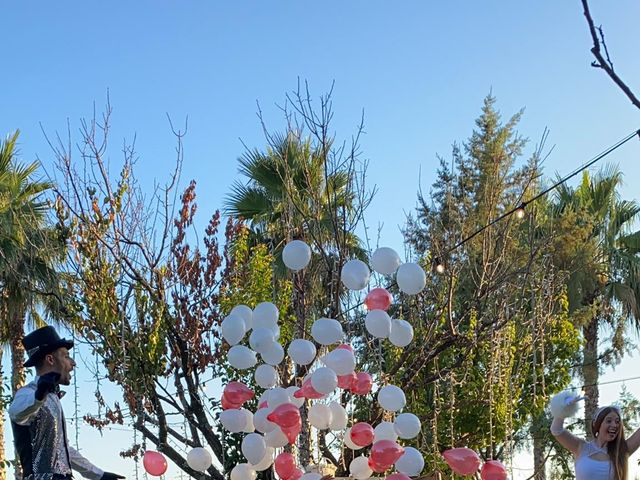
(617, 449)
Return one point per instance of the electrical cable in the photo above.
(547, 190)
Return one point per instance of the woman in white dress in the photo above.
(606, 456)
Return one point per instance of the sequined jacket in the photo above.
(40, 437)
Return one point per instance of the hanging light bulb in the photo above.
(438, 266)
(519, 212)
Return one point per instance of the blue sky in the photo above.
(419, 71)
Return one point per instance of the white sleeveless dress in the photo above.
(588, 468)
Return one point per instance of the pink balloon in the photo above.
(298, 472)
(285, 464)
(345, 346)
(376, 467)
(385, 452)
(362, 434)
(345, 381)
(378, 299)
(228, 404)
(362, 384)
(493, 470)
(292, 432)
(398, 476)
(463, 461)
(237, 392)
(154, 463)
(285, 415)
(307, 391)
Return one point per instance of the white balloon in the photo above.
(261, 339)
(411, 278)
(391, 398)
(401, 333)
(241, 357)
(233, 420)
(326, 331)
(355, 274)
(246, 313)
(324, 380)
(298, 402)
(296, 255)
(233, 329)
(340, 360)
(302, 351)
(348, 442)
(260, 420)
(265, 315)
(276, 438)
(385, 260)
(199, 459)
(339, 417)
(266, 461)
(407, 425)
(274, 354)
(253, 447)
(264, 397)
(320, 416)
(243, 471)
(385, 431)
(311, 476)
(249, 427)
(278, 396)
(276, 331)
(411, 462)
(266, 376)
(359, 468)
(378, 323)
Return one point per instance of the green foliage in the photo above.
(602, 264)
(497, 337)
(32, 251)
(249, 280)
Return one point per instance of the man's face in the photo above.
(63, 364)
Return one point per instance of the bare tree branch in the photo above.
(600, 61)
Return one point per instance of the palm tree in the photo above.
(292, 192)
(604, 280)
(30, 249)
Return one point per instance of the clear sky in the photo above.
(418, 69)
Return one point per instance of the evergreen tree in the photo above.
(497, 334)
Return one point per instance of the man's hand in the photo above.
(110, 476)
(47, 383)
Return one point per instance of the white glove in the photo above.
(564, 404)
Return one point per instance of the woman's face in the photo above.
(610, 427)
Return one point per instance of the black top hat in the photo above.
(41, 342)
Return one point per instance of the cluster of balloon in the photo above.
(254, 336)
(465, 461)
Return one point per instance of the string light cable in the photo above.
(520, 209)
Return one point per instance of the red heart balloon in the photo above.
(463, 461)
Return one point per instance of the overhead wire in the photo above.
(522, 205)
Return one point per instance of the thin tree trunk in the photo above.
(16, 319)
(3, 457)
(590, 372)
(299, 307)
(537, 431)
(17, 350)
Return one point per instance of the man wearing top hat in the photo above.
(37, 419)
